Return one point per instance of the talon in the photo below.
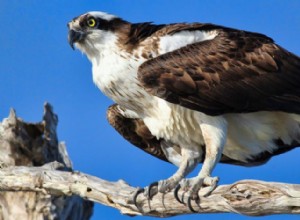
(136, 194)
(151, 188)
(176, 194)
(212, 186)
(189, 203)
(210, 190)
(182, 198)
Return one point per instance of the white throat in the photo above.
(97, 44)
(115, 74)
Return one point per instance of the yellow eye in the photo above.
(91, 22)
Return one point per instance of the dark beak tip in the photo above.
(74, 36)
(71, 43)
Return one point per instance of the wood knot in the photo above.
(88, 189)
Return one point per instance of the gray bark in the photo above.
(37, 181)
(33, 145)
(248, 197)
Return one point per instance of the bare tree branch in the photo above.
(248, 197)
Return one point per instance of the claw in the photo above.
(212, 187)
(136, 194)
(176, 194)
(148, 192)
(189, 203)
(151, 188)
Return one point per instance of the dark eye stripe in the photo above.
(104, 24)
(101, 24)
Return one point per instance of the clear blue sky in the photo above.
(37, 65)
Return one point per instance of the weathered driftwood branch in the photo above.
(246, 197)
(29, 145)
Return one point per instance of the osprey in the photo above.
(191, 93)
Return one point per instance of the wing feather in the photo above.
(136, 132)
(235, 72)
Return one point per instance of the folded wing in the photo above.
(235, 72)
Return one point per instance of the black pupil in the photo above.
(91, 22)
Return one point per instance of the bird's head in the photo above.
(93, 31)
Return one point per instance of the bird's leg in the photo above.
(186, 162)
(203, 179)
(186, 166)
(214, 136)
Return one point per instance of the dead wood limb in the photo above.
(248, 197)
(32, 145)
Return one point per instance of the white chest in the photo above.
(115, 75)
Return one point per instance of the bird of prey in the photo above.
(191, 93)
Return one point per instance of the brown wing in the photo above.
(235, 72)
(135, 131)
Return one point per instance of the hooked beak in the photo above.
(75, 36)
